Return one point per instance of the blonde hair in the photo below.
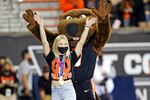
(55, 45)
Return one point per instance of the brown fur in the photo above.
(98, 34)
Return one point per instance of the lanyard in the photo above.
(62, 62)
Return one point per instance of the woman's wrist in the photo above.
(41, 24)
(86, 26)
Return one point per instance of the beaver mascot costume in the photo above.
(71, 24)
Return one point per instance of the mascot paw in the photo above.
(104, 8)
(29, 17)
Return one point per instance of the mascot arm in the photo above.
(104, 29)
(104, 32)
(33, 26)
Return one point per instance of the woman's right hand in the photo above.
(38, 19)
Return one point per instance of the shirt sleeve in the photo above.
(74, 57)
(50, 57)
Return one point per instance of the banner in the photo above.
(130, 56)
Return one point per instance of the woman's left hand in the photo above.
(38, 19)
(90, 22)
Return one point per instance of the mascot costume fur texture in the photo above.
(71, 24)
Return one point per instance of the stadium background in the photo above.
(129, 42)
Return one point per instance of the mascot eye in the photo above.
(82, 16)
(68, 17)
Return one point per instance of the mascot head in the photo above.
(72, 24)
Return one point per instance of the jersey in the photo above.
(54, 64)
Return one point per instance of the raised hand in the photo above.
(104, 29)
(90, 22)
(29, 18)
(38, 19)
(104, 9)
(33, 26)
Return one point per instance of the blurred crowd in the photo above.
(125, 13)
(131, 13)
(23, 83)
(18, 84)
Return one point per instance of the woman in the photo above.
(61, 60)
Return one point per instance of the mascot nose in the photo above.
(72, 29)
